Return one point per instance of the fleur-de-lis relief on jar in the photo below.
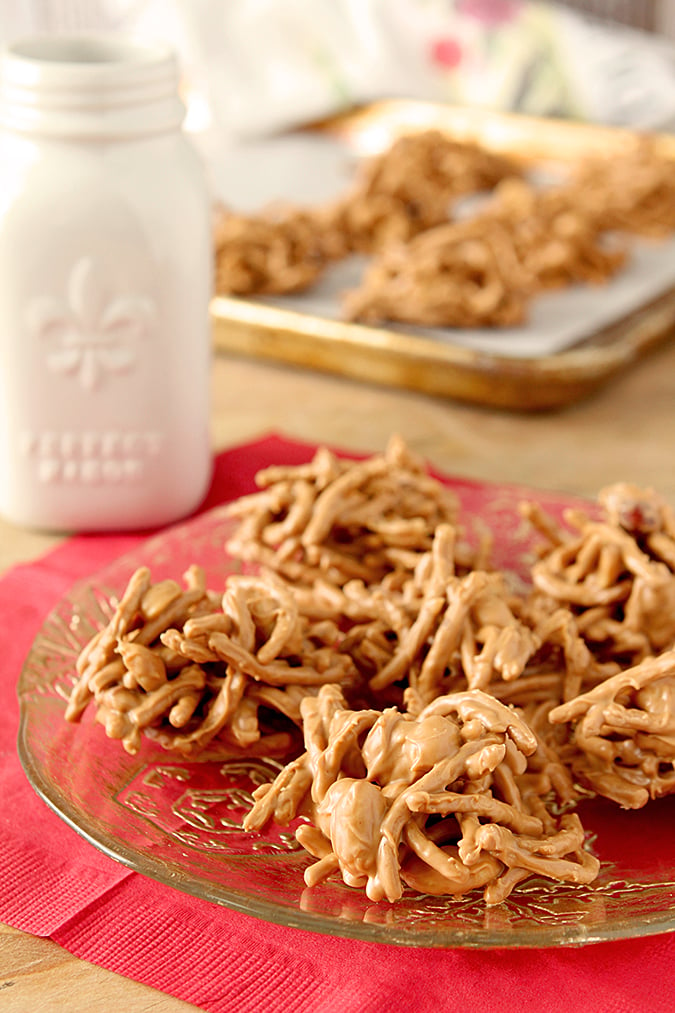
(91, 333)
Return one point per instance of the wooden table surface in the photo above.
(626, 431)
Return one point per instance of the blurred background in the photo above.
(255, 67)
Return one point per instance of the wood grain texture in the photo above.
(626, 431)
(36, 975)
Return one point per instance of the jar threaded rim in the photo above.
(88, 85)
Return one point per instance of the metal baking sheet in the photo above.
(575, 339)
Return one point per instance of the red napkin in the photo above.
(53, 883)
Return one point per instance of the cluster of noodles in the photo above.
(432, 800)
(459, 274)
(436, 718)
(485, 270)
(614, 576)
(407, 189)
(277, 253)
(412, 187)
(323, 523)
(432, 264)
(201, 673)
(195, 669)
(634, 193)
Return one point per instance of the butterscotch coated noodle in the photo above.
(438, 721)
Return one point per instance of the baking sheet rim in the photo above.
(279, 334)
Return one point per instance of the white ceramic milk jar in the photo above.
(105, 280)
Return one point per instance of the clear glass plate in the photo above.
(179, 822)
